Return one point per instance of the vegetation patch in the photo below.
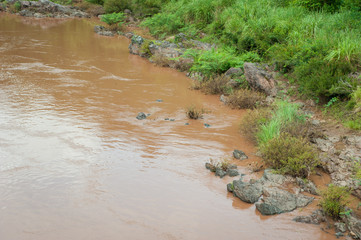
(194, 112)
(290, 155)
(245, 99)
(334, 200)
(114, 20)
(253, 120)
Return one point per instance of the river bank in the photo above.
(331, 146)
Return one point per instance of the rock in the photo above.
(141, 116)
(307, 186)
(339, 234)
(223, 99)
(232, 172)
(38, 15)
(269, 176)
(127, 11)
(202, 45)
(340, 227)
(165, 49)
(207, 125)
(234, 72)
(186, 124)
(180, 37)
(135, 45)
(26, 13)
(210, 167)
(220, 172)
(103, 31)
(238, 154)
(354, 226)
(159, 100)
(276, 201)
(259, 79)
(316, 218)
(230, 187)
(248, 192)
(129, 35)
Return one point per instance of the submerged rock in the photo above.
(276, 201)
(238, 154)
(103, 31)
(230, 170)
(316, 218)
(141, 116)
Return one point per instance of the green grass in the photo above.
(334, 200)
(285, 113)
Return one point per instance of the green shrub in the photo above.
(115, 6)
(99, 2)
(17, 6)
(330, 5)
(216, 85)
(245, 99)
(290, 155)
(334, 200)
(356, 98)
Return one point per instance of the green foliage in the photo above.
(99, 2)
(290, 155)
(116, 6)
(356, 99)
(318, 48)
(215, 61)
(285, 114)
(334, 200)
(113, 18)
(17, 6)
(144, 49)
(253, 120)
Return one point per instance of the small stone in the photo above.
(207, 125)
(232, 172)
(220, 172)
(339, 234)
(340, 227)
(230, 187)
(141, 116)
(166, 119)
(186, 124)
(238, 154)
(159, 100)
(172, 119)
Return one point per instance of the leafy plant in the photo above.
(334, 200)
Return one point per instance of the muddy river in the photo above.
(75, 163)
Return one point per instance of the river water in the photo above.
(75, 163)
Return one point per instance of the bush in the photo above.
(356, 99)
(290, 155)
(115, 6)
(245, 99)
(99, 2)
(91, 8)
(216, 85)
(334, 200)
(252, 121)
(194, 112)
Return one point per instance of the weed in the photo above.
(290, 155)
(252, 121)
(216, 85)
(194, 112)
(334, 200)
(114, 20)
(245, 99)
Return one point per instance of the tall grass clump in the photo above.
(193, 112)
(284, 115)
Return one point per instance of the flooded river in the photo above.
(75, 163)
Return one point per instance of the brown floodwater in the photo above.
(75, 163)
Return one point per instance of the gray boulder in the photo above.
(307, 186)
(316, 218)
(166, 49)
(234, 72)
(276, 201)
(103, 31)
(354, 226)
(220, 172)
(259, 79)
(248, 192)
(270, 177)
(136, 44)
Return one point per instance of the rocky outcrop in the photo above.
(354, 226)
(307, 186)
(166, 49)
(259, 79)
(276, 201)
(268, 194)
(341, 157)
(46, 8)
